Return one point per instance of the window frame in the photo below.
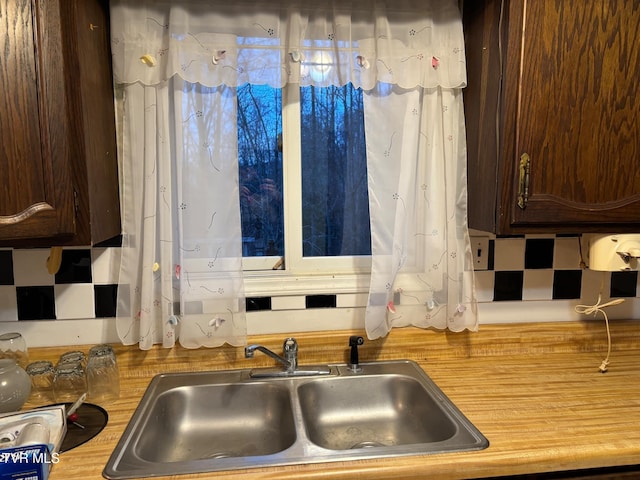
(295, 274)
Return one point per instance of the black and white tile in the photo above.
(520, 269)
(85, 286)
(529, 268)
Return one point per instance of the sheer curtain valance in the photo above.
(408, 43)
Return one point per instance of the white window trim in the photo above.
(282, 284)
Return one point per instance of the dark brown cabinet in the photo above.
(57, 126)
(553, 115)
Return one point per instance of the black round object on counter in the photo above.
(92, 417)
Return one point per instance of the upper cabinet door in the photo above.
(37, 197)
(57, 124)
(566, 104)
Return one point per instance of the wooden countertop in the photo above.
(534, 390)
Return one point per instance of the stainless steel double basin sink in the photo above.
(227, 420)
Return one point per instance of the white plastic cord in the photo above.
(593, 310)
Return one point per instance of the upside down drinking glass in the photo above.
(103, 379)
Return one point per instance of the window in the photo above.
(261, 175)
(303, 177)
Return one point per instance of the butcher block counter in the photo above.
(534, 390)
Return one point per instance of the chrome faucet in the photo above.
(290, 348)
(289, 360)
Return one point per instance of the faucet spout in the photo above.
(290, 359)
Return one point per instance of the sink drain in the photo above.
(367, 444)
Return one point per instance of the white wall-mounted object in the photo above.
(612, 252)
(480, 252)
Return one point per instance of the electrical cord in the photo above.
(599, 308)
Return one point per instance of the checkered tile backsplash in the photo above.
(520, 269)
(84, 287)
(536, 268)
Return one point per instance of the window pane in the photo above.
(335, 203)
(260, 158)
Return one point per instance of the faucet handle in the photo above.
(290, 345)
(290, 349)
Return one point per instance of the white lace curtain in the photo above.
(177, 65)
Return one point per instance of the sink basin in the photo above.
(229, 420)
(216, 421)
(372, 411)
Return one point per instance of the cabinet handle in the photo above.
(523, 181)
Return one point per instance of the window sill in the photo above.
(283, 284)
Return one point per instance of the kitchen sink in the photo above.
(234, 419)
(215, 421)
(372, 411)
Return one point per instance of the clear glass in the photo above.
(69, 382)
(15, 386)
(260, 163)
(75, 356)
(335, 199)
(41, 373)
(103, 379)
(14, 346)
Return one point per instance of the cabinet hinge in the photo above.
(523, 181)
